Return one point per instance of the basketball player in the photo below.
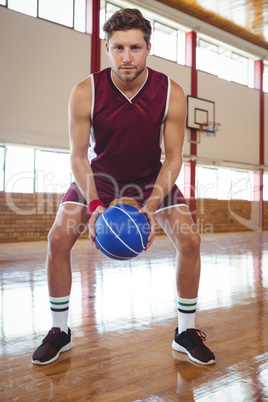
(116, 120)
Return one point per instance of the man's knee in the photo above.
(56, 241)
(195, 241)
(189, 243)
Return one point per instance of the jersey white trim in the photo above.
(72, 202)
(171, 206)
(130, 99)
(162, 129)
(91, 150)
(92, 96)
(168, 98)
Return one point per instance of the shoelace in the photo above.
(198, 335)
(50, 336)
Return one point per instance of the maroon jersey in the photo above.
(126, 134)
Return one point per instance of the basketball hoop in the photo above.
(210, 128)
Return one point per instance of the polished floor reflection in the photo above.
(123, 316)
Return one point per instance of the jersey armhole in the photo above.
(167, 100)
(92, 97)
(162, 130)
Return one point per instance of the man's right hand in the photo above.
(91, 225)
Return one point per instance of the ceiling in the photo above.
(247, 19)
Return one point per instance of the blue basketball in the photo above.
(122, 232)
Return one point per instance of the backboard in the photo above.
(199, 112)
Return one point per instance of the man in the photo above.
(116, 119)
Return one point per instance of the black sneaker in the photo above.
(191, 342)
(53, 344)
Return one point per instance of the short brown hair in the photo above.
(128, 18)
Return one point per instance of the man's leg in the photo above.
(70, 222)
(179, 226)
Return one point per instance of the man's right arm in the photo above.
(79, 132)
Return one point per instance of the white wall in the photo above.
(40, 64)
(237, 109)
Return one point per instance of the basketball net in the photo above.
(210, 128)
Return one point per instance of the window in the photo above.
(106, 11)
(207, 57)
(224, 180)
(71, 13)
(224, 62)
(80, 15)
(206, 186)
(27, 170)
(225, 65)
(28, 7)
(165, 41)
(240, 69)
(53, 172)
(181, 47)
(19, 169)
(234, 67)
(60, 11)
(102, 18)
(242, 186)
(110, 9)
(224, 183)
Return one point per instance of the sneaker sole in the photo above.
(181, 349)
(63, 349)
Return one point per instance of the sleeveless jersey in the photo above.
(126, 134)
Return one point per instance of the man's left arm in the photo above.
(173, 144)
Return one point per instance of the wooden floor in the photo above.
(123, 316)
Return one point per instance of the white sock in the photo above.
(186, 313)
(59, 307)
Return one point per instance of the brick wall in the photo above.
(28, 217)
(214, 216)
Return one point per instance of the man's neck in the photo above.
(130, 88)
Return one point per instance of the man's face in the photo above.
(127, 51)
